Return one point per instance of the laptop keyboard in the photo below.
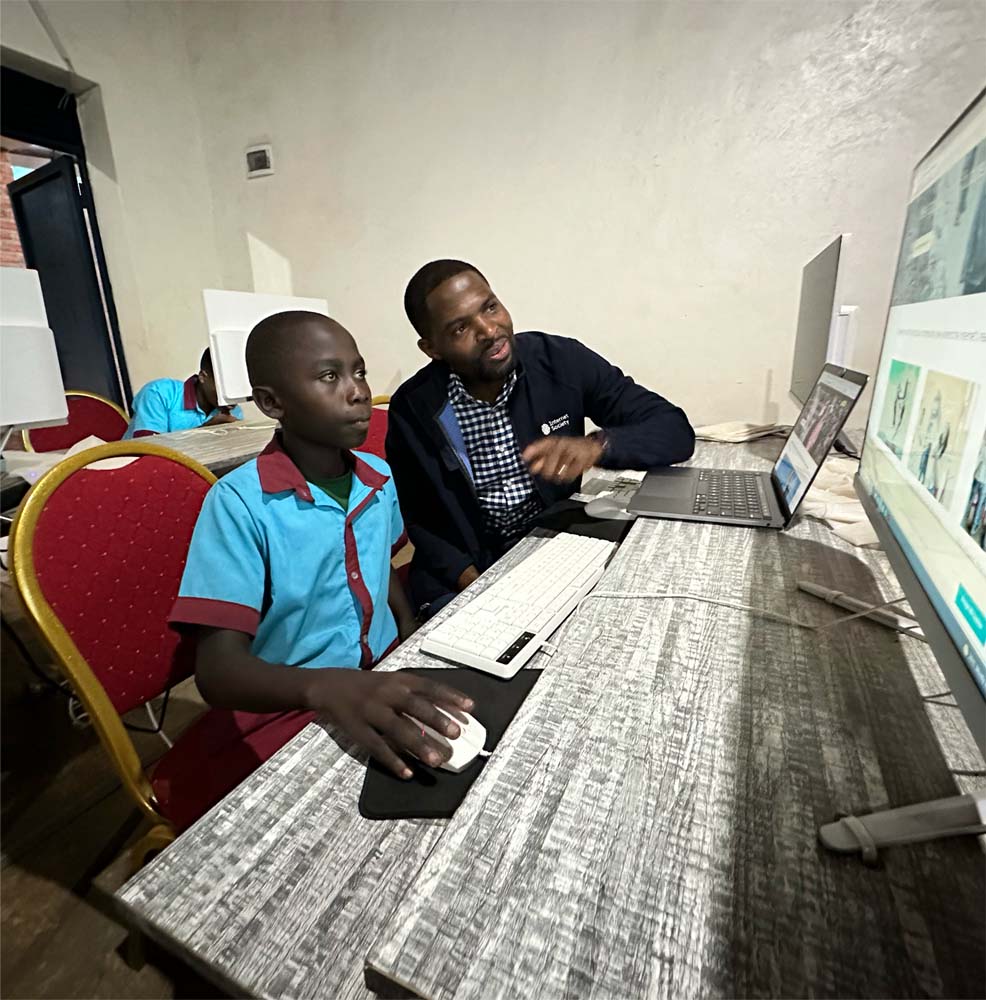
(729, 493)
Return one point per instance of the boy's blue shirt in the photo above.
(277, 558)
(166, 405)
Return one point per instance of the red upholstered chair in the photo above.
(377, 434)
(98, 555)
(88, 414)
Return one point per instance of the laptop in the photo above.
(758, 499)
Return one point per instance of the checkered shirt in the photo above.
(505, 488)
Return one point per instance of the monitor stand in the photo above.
(951, 817)
(896, 618)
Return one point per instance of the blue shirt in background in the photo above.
(166, 404)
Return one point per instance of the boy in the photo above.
(167, 404)
(288, 578)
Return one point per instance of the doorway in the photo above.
(58, 234)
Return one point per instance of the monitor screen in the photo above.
(923, 467)
(828, 405)
(816, 312)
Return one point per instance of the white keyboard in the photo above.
(504, 626)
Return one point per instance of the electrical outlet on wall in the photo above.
(259, 161)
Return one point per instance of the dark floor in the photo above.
(64, 822)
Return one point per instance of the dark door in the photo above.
(52, 227)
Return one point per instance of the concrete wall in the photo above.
(150, 183)
(650, 177)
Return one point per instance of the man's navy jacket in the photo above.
(560, 384)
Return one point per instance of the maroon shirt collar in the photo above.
(190, 401)
(278, 472)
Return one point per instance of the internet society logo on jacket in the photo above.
(555, 425)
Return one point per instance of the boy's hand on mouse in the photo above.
(373, 709)
(560, 458)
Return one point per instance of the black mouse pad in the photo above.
(570, 516)
(433, 793)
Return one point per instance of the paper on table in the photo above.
(833, 499)
(735, 431)
(31, 466)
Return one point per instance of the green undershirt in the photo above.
(337, 488)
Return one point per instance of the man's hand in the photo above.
(222, 417)
(561, 459)
(373, 709)
(469, 575)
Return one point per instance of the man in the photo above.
(490, 433)
(168, 404)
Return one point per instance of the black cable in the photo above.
(846, 450)
(160, 721)
(65, 689)
(29, 661)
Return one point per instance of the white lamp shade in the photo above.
(21, 301)
(230, 317)
(31, 389)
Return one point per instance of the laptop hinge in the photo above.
(779, 500)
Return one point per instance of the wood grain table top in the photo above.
(647, 826)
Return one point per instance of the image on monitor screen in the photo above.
(825, 411)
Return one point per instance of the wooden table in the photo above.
(646, 828)
(220, 449)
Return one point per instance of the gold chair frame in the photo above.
(26, 435)
(105, 719)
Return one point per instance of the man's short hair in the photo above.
(424, 282)
(205, 362)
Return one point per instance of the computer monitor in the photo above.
(923, 470)
(230, 316)
(824, 329)
(922, 478)
(829, 403)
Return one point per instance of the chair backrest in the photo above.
(97, 556)
(376, 436)
(88, 414)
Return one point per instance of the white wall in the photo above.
(149, 179)
(647, 177)
(650, 178)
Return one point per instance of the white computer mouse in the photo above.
(609, 508)
(466, 748)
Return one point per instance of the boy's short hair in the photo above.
(205, 362)
(268, 340)
(424, 282)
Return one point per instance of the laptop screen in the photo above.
(818, 425)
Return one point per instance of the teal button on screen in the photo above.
(972, 613)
